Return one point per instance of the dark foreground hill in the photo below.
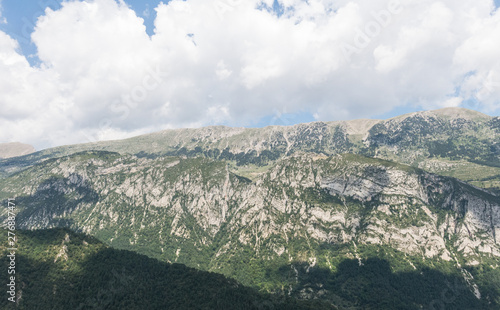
(60, 269)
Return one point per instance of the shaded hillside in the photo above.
(59, 269)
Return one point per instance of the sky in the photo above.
(85, 71)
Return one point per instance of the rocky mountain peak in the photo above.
(14, 149)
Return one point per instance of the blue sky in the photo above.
(90, 72)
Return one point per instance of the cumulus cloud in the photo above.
(234, 62)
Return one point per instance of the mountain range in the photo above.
(367, 214)
(14, 149)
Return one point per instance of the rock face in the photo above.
(197, 211)
(14, 149)
(414, 194)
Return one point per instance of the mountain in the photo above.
(368, 214)
(303, 214)
(60, 269)
(14, 149)
(454, 142)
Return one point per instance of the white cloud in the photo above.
(222, 71)
(225, 61)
